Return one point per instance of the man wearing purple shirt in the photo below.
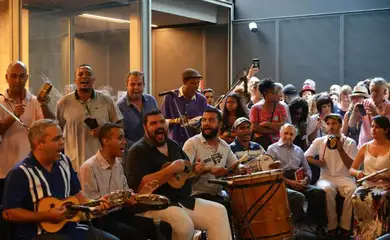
(191, 105)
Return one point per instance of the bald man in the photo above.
(292, 158)
(14, 144)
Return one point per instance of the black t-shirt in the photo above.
(144, 158)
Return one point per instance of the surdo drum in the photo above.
(260, 206)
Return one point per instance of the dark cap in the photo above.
(307, 88)
(335, 116)
(290, 89)
(191, 73)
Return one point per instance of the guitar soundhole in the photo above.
(52, 205)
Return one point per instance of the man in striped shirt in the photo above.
(45, 172)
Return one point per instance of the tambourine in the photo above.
(332, 142)
(152, 201)
(261, 163)
(45, 90)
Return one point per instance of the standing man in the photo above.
(191, 104)
(209, 95)
(14, 144)
(377, 104)
(145, 163)
(292, 158)
(242, 144)
(335, 178)
(134, 105)
(81, 113)
(45, 172)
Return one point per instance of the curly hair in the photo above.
(297, 103)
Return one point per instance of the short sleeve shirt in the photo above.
(144, 158)
(197, 147)
(334, 164)
(98, 178)
(14, 145)
(28, 182)
(258, 115)
(71, 113)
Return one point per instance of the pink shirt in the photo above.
(365, 133)
(259, 115)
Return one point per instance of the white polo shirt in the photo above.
(334, 164)
(80, 145)
(14, 145)
(197, 147)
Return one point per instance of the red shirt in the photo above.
(258, 115)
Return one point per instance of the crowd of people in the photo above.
(91, 146)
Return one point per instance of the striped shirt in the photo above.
(254, 150)
(28, 182)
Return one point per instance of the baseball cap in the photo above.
(239, 121)
(191, 73)
(290, 89)
(360, 91)
(307, 88)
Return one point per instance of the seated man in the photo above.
(292, 158)
(242, 144)
(103, 174)
(215, 153)
(335, 178)
(45, 172)
(146, 162)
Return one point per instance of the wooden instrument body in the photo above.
(48, 203)
(45, 90)
(260, 206)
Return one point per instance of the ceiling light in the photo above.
(154, 25)
(97, 17)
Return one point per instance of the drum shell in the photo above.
(248, 193)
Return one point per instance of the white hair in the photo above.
(287, 125)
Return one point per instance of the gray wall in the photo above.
(314, 39)
(202, 48)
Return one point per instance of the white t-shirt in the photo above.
(334, 164)
(197, 147)
(14, 145)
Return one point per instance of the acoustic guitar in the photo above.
(179, 179)
(74, 210)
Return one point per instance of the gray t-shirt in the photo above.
(197, 147)
(71, 113)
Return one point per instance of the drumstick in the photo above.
(241, 160)
(372, 175)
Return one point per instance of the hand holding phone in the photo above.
(91, 123)
(256, 63)
(361, 109)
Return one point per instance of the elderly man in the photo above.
(133, 105)
(191, 104)
(377, 104)
(292, 159)
(80, 113)
(335, 161)
(18, 100)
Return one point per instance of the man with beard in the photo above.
(292, 158)
(133, 105)
(268, 116)
(335, 163)
(191, 104)
(103, 174)
(213, 152)
(242, 144)
(80, 113)
(145, 163)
